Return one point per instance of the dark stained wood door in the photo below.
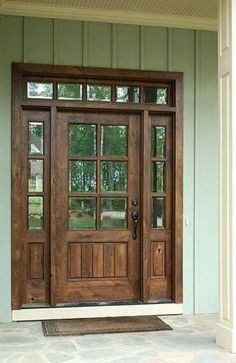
(95, 255)
(82, 166)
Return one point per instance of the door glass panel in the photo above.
(158, 212)
(39, 90)
(82, 213)
(82, 140)
(82, 176)
(114, 140)
(159, 141)
(69, 91)
(156, 95)
(127, 94)
(114, 176)
(158, 176)
(35, 175)
(36, 138)
(113, 213)
(98, 92)
(35, 212)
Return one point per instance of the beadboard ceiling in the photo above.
(196, 14)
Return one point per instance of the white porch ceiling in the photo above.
(195, 14)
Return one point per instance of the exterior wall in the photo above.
(35, 40)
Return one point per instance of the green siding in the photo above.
(206, 182)
(38, 40)
(11, 40)
(68, 42)
(139, 47)
(183, 59)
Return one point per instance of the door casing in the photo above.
(174, 81)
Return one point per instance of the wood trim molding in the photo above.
(102, 15)
(96, 311)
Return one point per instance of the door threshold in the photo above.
(96, 311)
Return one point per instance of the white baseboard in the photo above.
(226, 337)
(96, 311)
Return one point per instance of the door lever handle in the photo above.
(134, 216)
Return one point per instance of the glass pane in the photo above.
(82, 140)
(39, 90)
(158, 212)
(113, 213)
(98, 92)
(82, 213)
(159, 141)
(69, 91)
(35, 175)
(127, 94)
(114, 176)
(156, 95)
(158, 177)
(35, 212)
(114, 140)
(36, 138)
(82, 177)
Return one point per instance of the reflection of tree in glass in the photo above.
(158, 177)
(41, 90)
(114, 213)
(114, 140)
(82, 176)
(114, 176)
(82, 213)
(71, 91)
(99, 93)
(158, 141)
(161, 96)
(36, 138)
(82, 140)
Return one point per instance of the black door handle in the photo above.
(134, 216)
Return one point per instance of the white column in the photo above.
(226, 328)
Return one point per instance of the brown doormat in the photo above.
(103, 325)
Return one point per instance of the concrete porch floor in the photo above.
(192, 340)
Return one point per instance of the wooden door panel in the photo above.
(98, 264)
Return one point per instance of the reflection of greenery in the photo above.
(82, 139)
(69, 91)
(113, 214)
(99, 93)
(40, 90)
(82, 213)
(114, 140)
(35, 212)
(127, 94)
(158, 177)
(161, 96)
(114, 176)
(158, 141)
(83, 176)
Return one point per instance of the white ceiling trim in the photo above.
(123, 17)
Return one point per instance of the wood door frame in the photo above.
(174, 80)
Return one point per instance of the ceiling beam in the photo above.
(108, 16)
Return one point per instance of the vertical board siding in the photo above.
(206, 181)
(68, 42)
(99, 45)
(128, 46)
(38, 40)
(79, 43)
(156, 48)
(11, 40)
(183, 59)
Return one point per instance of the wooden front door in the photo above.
(96, 186)
(96, 256)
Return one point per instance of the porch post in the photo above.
(226, 328)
